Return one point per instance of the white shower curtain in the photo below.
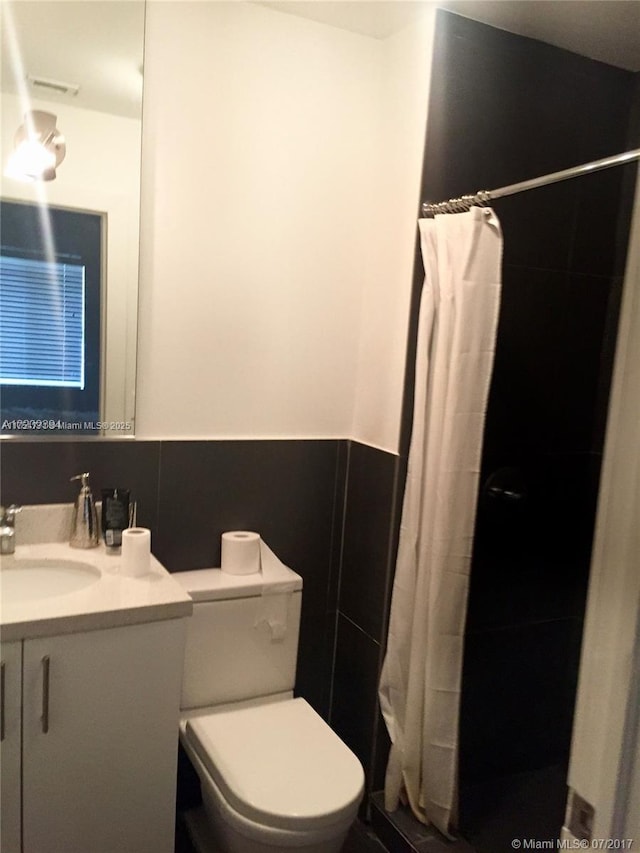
(421, 676)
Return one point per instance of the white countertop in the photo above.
(113, 600)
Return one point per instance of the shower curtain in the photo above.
(421, 675)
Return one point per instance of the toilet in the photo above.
(273, 775)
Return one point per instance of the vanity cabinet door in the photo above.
(10, 701)
(100, 740)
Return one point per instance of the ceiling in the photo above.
(97, 44)
(607, 30)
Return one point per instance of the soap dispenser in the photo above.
(84, 527)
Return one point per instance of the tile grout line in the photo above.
(339, 579)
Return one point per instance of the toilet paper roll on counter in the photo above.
(136, 551)
(240, 552)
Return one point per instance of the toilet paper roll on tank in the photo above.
(240, 552)
(244, 552)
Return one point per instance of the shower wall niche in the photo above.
(504, 109)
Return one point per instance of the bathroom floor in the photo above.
(361, 840)
(402, 833)
(526, 805)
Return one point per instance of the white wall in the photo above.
(606, 718)
(402, 117)
(276, 176)
(101, 174)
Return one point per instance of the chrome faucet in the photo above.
(7, 528)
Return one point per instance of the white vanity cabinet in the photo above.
(99, 738)
(10, 745)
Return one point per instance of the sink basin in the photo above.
(31, 580)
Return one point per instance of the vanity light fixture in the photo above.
(39, 148)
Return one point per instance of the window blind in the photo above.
(42, 326)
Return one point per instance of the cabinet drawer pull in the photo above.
(45, 694)
(2, 701)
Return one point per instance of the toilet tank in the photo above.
(242, 640)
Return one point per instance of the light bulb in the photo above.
(38, 148)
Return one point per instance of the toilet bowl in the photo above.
(273, 775)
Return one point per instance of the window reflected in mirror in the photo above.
(50, 341)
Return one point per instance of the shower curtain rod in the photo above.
(459, 205)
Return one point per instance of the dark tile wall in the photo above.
(189, 492)
(504, 109)
(368, 559)
(35, 472)
(355, 680)
(365, 557)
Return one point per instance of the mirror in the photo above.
(69, 241)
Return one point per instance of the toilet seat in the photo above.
(279, 765)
